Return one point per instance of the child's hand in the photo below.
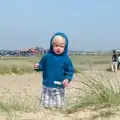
(65, 82)
(36, 66)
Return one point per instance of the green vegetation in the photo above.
(101, 92)
(21, 65)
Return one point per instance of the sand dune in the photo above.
(32, 85)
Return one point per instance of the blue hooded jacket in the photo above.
(56, 67)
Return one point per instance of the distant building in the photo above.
(28, 51)
(118, 51)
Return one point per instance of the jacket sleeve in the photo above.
(69, 70)
(41, 64)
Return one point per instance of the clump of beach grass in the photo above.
(100, 91)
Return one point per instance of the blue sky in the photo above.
(89, 24)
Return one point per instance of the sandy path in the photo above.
(32, 84)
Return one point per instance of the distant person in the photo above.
(57, 72)
(114, 61)
(118, 62)
(45, 52)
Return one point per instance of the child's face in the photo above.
(58, 44)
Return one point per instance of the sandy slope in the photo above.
(32, 84)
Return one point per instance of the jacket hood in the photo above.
(66, 45)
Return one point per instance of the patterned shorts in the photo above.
(52, 97)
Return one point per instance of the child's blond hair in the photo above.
(58, 37)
